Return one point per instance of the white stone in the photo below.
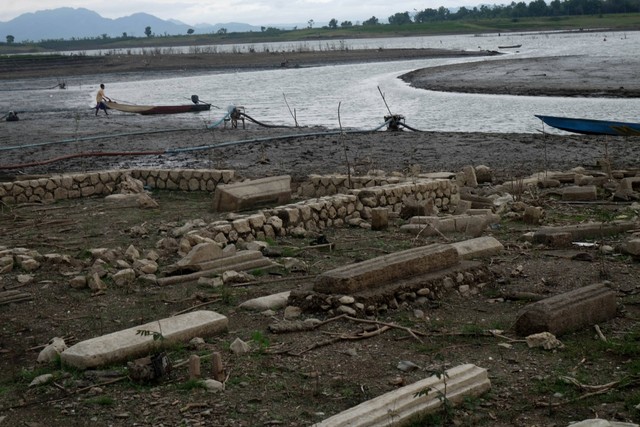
(213, 385)
(273, 302)
(52, 350)
(406, 402)
(41, 379)
(239, 347)
(128, 344)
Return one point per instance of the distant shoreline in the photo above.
(61, 66)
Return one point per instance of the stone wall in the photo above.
(317, 214)
(327, 185)
(73, 186)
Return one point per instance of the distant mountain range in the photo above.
(69, 23)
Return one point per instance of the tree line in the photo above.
(536, 8)
(513, 11)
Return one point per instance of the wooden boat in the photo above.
(592, 127)
(513, 46)
(158, 109)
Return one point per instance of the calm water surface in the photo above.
(315, 94)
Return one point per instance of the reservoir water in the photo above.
(316, 93)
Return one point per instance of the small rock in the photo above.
(52, 350)
(41, 379)
(546, 340)
(23, 279)
(346, 299)
(231, 276)
(213, 385)
(212, 282)
(239, 347)
(346, 310)
(407, 366)
(292, 312)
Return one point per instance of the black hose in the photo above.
(264, 124)
(409, 127)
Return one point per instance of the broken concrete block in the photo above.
(272, 302)
(483, 174)
(241, 261)
(629, 184)
(412, 207)
(129, 344)
(470, 178)
(532, 215)
(632, 247)
(420, 398)
(568, 312)
(478, 248)
(592, 230)
(379, 218)
(252, 194)
(202, 252)
(382, 270)
(598, 422)
(580, 194)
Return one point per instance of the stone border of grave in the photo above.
(102, 183)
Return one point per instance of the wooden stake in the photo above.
(194, 367)
(216, 366)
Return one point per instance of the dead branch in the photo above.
(410, 331)
(601, 389)
(280, 280)
(186, 310)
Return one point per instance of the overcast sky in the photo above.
(255, 12)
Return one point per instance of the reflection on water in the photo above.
(314, 94)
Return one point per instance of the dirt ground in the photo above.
(290, 379)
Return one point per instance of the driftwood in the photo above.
(13, 296)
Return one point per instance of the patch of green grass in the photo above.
(258, 272)
(101, 401)
(472, 329)
(259, 338)
(227, 297)
(553, 385)
(28, 375)
(289, 252)
(191, 385)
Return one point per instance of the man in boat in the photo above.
(100, 99)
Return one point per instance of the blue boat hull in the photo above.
(592, 127)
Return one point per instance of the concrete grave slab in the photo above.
(127, 344)
(478, 248)
(252, 194)
(400, 406)
(241, 261)
(379, 271)
(568, 311)
(559, 236)
(580, 194)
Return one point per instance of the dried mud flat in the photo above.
(291, 379)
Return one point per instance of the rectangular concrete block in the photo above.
(557, 236)
(568, 312)
(128, 344)
(252, 194)
(400, 406)
(478, 248)
(383, 270)
(580, 194)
